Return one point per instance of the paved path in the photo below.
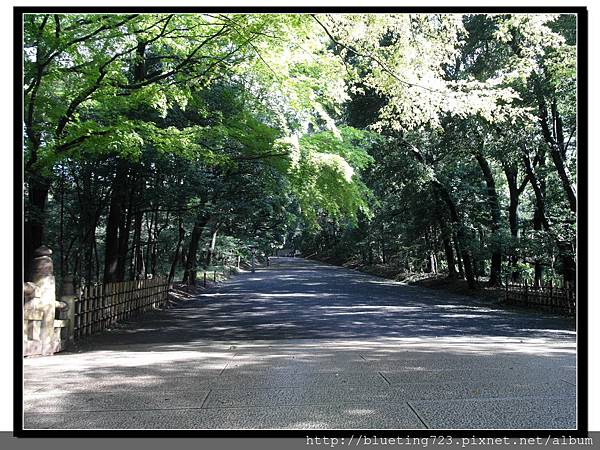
(302, 345)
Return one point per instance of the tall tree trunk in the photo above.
(189, 275)
(213, 243)
(468, 269)
(510, 170)
(436, 249)
(428, 260)
(150, 241)
(460, 237)
(449, 257)
(124, 232)
(177, 250)
(137, 264)
(89, 252)
(494, 205)
(459, 258)
(480, 264)
(137, 268)
(88, 216)
(61, 238)
(569, 265)
(118, 195)
(34, 224)
(434, 263)
(448, 251)
(118, 224)
(555, 141)
(155, 235)
(539, 216)
(447, 199)
(538, 268)
(382, 244)
(96, 258)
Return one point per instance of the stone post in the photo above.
(43, 276)
(31, 320)
(68, 298)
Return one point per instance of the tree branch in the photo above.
(380, 63)
(177, 68)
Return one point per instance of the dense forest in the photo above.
(169, 143)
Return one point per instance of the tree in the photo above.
(165, 143)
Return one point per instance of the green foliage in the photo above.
(440, 100)
(326, 178)
(365, 135)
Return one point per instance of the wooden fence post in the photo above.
(205, 278)
(215, 276)
(545, 297)
(101, 306)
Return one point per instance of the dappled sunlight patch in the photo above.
(455, 345)
(312, 425)
(100, 364)
(552, 331)
(370, 308)
(215, 294)
(276, 325)
(256, 313)
(292, 295)
(382, 282)
(359, 412)
(463, 316)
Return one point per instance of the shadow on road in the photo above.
(302, 345)
(298, 299)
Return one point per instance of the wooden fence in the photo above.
(549, 298)
(99, 307)
(51, 324)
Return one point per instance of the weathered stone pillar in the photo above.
(31, 320)
(43, 276)
(68, 312)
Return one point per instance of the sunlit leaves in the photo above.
(327, 177)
